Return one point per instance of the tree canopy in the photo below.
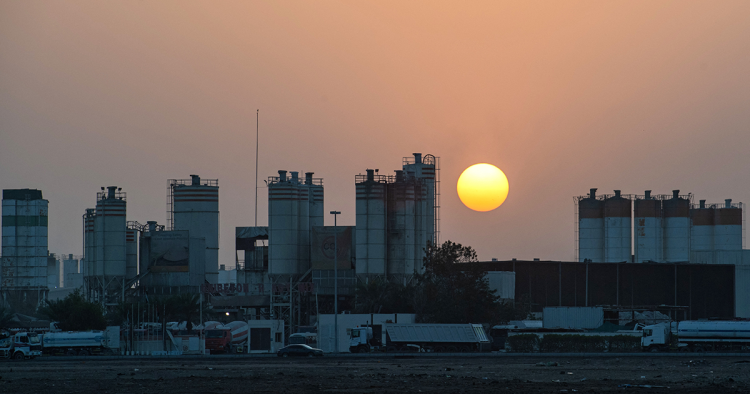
(74, 313)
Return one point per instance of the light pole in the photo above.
(335, 281)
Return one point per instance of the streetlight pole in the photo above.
(335, 280)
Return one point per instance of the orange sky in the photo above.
(562, 96)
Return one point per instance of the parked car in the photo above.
(299, 350)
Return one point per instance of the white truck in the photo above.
(21, 346)
(419, 337)
(697, 336)
(82, 343)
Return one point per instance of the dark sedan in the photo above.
(299, 350)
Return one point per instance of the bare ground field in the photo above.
(548, 374)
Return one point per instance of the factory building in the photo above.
(666, 228)
(193, 206)
(171, 262)
(23, 266)
(397, 215)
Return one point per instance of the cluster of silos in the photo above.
(666, 227)
(23, 266)
(604, 227)
(395, 218)
(105, 250)
(295, 206)
(195, 208)
(716, 226)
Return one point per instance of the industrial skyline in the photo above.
(561, 97)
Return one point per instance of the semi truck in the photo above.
(21, 346)
(435, 338)
(697, 336)
(82, 343)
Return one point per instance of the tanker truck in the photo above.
(697, 336)
(435, 338)
(21, 346)
(82, 343)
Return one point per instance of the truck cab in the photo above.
(21, 346)
(218, 340)
(655, 337)
(360, 340)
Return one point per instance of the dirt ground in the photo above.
(548, 374)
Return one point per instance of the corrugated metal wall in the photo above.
(573, 317)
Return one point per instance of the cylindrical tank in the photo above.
(423, 169)
(109, 231)
(591, 228)
(649, 242)
(303, 224)
(89, 254)
(676, 228)
(617, 225)
(283, 211)
(371, 225)
(316, 210)
(713, 329)
(131, 258)
(728, 226)
(702, 231)
(238, 329)
(196, 209)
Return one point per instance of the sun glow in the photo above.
(482, 187)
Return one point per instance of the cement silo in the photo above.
(283, 225)
(131, 253)
(427, 206)
(648, 229)
(590, 228)
(317, 212)
(728, 226)
(88, 268)
(676, 227)
(617, 228)
(195, 208)
(403, 222)
(371, 223)
(303, 223)
(109, 234)
(702, 230)
(23, 265)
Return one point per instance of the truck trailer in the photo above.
(697, 336)
(82, 343)
(419, 337)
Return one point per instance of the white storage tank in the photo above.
(728, 226)
(649, 242)
(109, 233)
(196, 209)
(590, 228)
(371, 224)
(676, 228)
(283, 222)
(617, 225)
(702, 230)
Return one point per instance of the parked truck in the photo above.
(419, 337)
(21, 346)
(82, 343)
(697, 336)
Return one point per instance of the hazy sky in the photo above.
(561, 95)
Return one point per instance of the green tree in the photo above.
(380, 296)
(74, 313)
(450, 291)
(184, 307)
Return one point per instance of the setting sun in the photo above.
(482, 187)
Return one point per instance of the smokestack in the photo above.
(417, 158)
(592, 193)
(308, 178)
(675, 194)
(196, 180)
(370, 175)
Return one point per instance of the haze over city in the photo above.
(562, 96)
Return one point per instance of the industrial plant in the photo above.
(648, 255)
